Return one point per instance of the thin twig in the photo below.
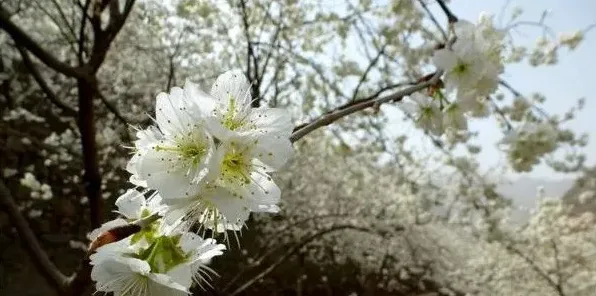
(450, 16)
(81, 40)
(434, 20)
(68, 111)
(371, 64)
(25, 40)
(535, 267)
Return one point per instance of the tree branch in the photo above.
(434, 20)
(22, 38)
(371, 64)
(535, 267)
(103, 38)
(559, 286)
(38, 255)
(91, 177)
(68, 111)
(252, 73)
(450, 16)
(81, 48)
(353, 107)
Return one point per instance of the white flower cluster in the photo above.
(38, 190)
(552, 254)
(474, 62)
(206, 163)
(529, 142)
(19, 112)
(472, 65)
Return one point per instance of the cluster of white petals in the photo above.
(473, 63)
(529, 142)
(211, 154)
(158, 260)
(206, 163)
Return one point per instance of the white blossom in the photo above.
(232, 114)
(425, 112)
(174, 157)
(473, 62)
(158, 260)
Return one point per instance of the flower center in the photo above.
(426, 112)
(460, 68)
(236, 167)
(148, 232)
(191, 147)
(230, 121)
(163, 254)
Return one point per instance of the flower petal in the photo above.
(261, 192)
(232, 84)
(162, 284)
(273, 151)
(160, 171)
(171, 114)
(270, 121)
(181, 274)
(202, 100)
(130, 204)
(231, 206)
(444, 59)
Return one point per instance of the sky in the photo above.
(562, 84)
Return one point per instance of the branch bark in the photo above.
(30, 242)
(354, 107)
(91, 177)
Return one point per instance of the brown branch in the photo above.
(172, 68)
(38, 255)
(64, 18)
(25, 40)
(356, 106)
(450, 16)
(68, 36)
(501, 113)
(252, 73)
(68, 111)
(103, 38)
(274, 40)
(517, 94)
(81, 48)
(171, 74)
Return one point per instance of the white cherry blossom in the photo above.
(231, 112)
(242, 186)
(426, 112)
(174, 158)
(169, 265)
